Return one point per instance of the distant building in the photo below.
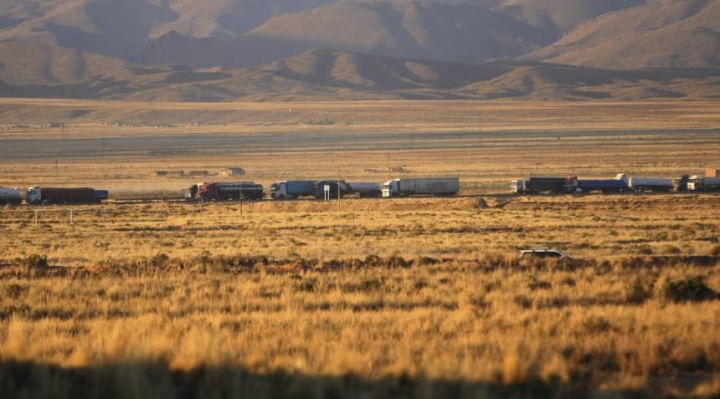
(57, 124)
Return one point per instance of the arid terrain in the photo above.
(410, 297)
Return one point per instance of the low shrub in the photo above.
(715, 251)
(305, 286)
(645, 250)
(597, 324)
(159, 260)
(36, 265)
(427, 261)
(535, 284)
(15, 290)
(366, 285)
(638, 291)
(687, 290)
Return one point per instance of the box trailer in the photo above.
(57, 195)
(439, 186)
(292, 189)
(223, 191)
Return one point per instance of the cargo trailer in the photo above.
(438, 186)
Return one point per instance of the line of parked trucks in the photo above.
(324, 188)
(332, 188)
(224, 191)
(620, 184)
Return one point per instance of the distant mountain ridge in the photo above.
(224, 50)
(658, 34)
(403, 29)
(332, 75)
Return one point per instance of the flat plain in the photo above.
(409, 297)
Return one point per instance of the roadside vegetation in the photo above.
(296, 299)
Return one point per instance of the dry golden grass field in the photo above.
(412, 297)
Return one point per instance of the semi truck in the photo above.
(55, 195)
(438, 186)
(697, 183)
(10, 196)
(617, 185)
(537, 185)
(292, 189)
(191, 192)
(223, 191)
(365, 189)
(655, 184)
(681, 183)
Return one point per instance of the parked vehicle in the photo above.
(681, 183)
(697, 183)
(332, 187)
(54, 195)
(292, 189)
(191, 192)
(223, 191)
(655, 184)
(10, 196)
(544, 253)
(617, 185)
(364, 189)
(439, 186)
(537, 185)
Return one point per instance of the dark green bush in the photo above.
(687, 289)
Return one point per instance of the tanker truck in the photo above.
(655, 184)
(10, 196)
(364, 189)
(334, 187)
(438, 186)
(697, 183)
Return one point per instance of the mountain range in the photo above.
(225, 50)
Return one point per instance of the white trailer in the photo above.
(444, 186)
(10, 196)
